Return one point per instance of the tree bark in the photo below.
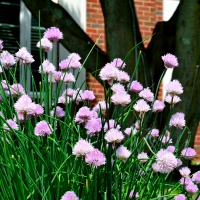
(188, 53)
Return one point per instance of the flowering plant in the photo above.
(62, 147)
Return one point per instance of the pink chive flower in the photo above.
(1, 45)
(68, 78)
(179, 162)
(155, 167)
(171, 149)
(180, 197)
(174, 88)
(177, 120)
(154, 133)
(136, 87)
(63, 99)
(127, 131)
(188, 153)
(117, 87)
(7, 59)
(143, 157)
(77, 96)
(24, 56)
(24, 105)
(114, 136)
(166, 138)
(109, 73)
(46, 45)
(70, 92)
(53, 34)
(196, 177)
(95, 158)
(123, 77)
(166, 160)
(117, 62)
(185, 181)
(185, 172)
(47, 67)
(12, 124)
(191, 188)
(132, 193)
(158, 106)
(83, 115)
(175, 100)
(59, 112)
(17, 90)
(112, 124)
(36, 112)
(123, 153)
(4, 84)
(42, 128)
(74, 61)
(69, 195)
(147, 95)
(88, 95)
(82, 147)
(121, 98)
(56, 75)
(170, 61)
(141, 106)
(101, 106)
(93, 126)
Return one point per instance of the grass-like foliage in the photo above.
(56, 145)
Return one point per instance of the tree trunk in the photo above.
(188, 53)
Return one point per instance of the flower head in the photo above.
(191, 188)
(158, 106)
(170, 61)
(154, 133)
(1, 45)
(101, 106)
(7, 59)
(111, 124)
(24, 56)
(143, 157)
(123, 77)
(175, 100)
(46, 67)
(67, 78)
(93, 126)
(123, 153)
(45, 44)
(121, 98)
(180, 197)
(196, 177)
(36, 112)
(83, 115)
(141, 106)
(24, 105)
(174, 88)
(147, 95)
(109, 73)
(136, 87)
(188, 153)
(171, 149)
(185, 181)
(42, 128)
(127, 131)
(95, 158)
(82, 147)
(177, 120)
(53, 34)
(59, 112)
(17, 90)
(114, 136)
(166, 160)
(12, 124)
(185, 172)
(69, 195)
(118, 62)
(88, 95)
(117, 87)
